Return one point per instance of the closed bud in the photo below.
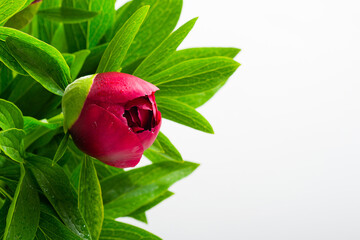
(112, 117)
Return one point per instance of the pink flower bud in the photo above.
(112, 117)
(36, 1)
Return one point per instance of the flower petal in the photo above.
(116, 109)
(141, 102)
(102, 135)
(117, 87)
(146, 117)
(146, 137)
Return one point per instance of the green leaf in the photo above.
(24, 17)
(93, 60)
(194, 76)
(3, 213)
(164, 51)
(40, 235)
(115, 53)
(12, 144)
(90, 199)
(24, 213)
(49, 148)
(5, 192)
(32, 98)
(114, 28)
(140, 217)
(160, 22)
(7, 58)
(196, 53)
(100, 24)
(75, 177)
(27, 3)
(166, 151)
(132, 67)
(35, 129)
(87, 35)
(12, 172)
(184, 114)
(11, 184)
(42, 61)
(69, 58)
(10, 115)
(152, 204)
(2, 201)
(47, 28)
(53, 229)
(74, 159)
(80, 58)
(59, 39)
(126, 192)
(9, 8)
(31, 124)
(61, 149)
(103, 170)
(6, 78)
(113, 230)
(198, 99)
(67, 14)
(76, 37)
(156, 146)
(56, 187)
(45, 207)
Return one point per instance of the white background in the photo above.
(284, 163)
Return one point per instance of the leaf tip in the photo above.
(194, 166)
(145, 8)
(209, 129)
(236, 51)
(193, 21)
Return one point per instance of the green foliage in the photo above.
(126, 192)
(194, 76)
(90, 199)
(6, 78)
(88, 35)
(12, 144)
(121, 231)
(35, 129)
(159, 23)
(78, 62)
(67, 15)
(23, 216)
(46, 29)
(52, 228)
(183, 114)
(42, 62)
(141, 211)
(9, 8)
(61, 149)
(116, 51)
(49, 189)
(196, 53)
(57, 189)
(3, 214)
(23, 18)
(163, 150)
(164, 51)
(11, 116)
(93, 60)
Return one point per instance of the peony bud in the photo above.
(112, 117)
